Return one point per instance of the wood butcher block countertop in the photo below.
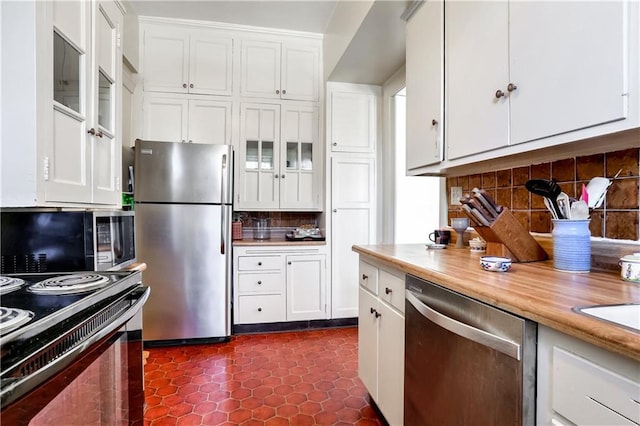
(532, 290)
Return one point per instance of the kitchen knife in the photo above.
(497, 207)
(477, 205)
(468, 212)
(475, 215)
(480, 197)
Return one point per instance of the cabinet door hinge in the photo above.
(118, 36)
(117, 183)
(45, 170)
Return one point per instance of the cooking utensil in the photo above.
(579, 210)
(547, 203)
(597, 189)
(546, 188)
(564, 204)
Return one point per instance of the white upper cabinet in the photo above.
(107, 104)
(178, 60)
(278, 166)
(353, 122)
(477, 66)
(191, 119)
(526, 71)
(62, 142)
(424, 79)
(280, 70)
(573, 74)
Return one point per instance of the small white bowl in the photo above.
(495, 264)
(630, 268)
(477, 245)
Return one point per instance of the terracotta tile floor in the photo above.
(297, 378)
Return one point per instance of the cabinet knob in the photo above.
(434, 122)
(190, 141)
(335, 210)
(365, 277)
(377, 314)
(259, 282)
(284, 92)
(183, 141)
(282, 176)
(335, 144)
(277, 92)
(184, 85)
(387, 290)
(259, 263)
(259, 309)
(372, 310)
(499, 94)
(92, 131)
(276, 176)
(511, 87)
(191, 85)
(99, 134)
(289, 263)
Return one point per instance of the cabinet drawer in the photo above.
(261, 308)
(368, 277)
(586, 393)
(392, 289)
(260, 282)
(259, 263)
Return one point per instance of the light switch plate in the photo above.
(456, 194)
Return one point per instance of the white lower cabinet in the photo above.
(579, 383)
(279, 283)
(381, 339)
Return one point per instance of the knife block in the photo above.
(506, 237)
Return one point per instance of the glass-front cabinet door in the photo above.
(298, 176)
(258, 164)
(106, 93)
(67, 171)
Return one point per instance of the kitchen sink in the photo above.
(625, 315)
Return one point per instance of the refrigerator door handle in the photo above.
(223, 232)
(224, 181)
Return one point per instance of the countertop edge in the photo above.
(597, 332)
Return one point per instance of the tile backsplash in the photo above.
(278, 219)
(616, 219)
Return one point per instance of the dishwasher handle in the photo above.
(482, 337)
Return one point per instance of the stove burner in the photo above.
(8, 284)
(70, 284)
(12, 318)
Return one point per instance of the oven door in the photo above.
(99, 382)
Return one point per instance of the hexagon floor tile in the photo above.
(297, 378)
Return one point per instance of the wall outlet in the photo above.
(456, 194)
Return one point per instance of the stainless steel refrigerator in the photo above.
(183, 204)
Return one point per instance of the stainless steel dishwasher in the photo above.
(466, 363)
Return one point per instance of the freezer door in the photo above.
(188, 255)
(169, 172)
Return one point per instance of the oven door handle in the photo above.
(21, 385)
(482, 337)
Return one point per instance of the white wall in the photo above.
(343, 26)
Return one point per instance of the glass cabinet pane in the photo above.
(266, 162)
(307, 156)
(292, 156)
(66, 73)
(104, 101)
(251, 158)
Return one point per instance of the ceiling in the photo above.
(307, 15)
(376, 51)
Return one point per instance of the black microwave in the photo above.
(65, 241)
